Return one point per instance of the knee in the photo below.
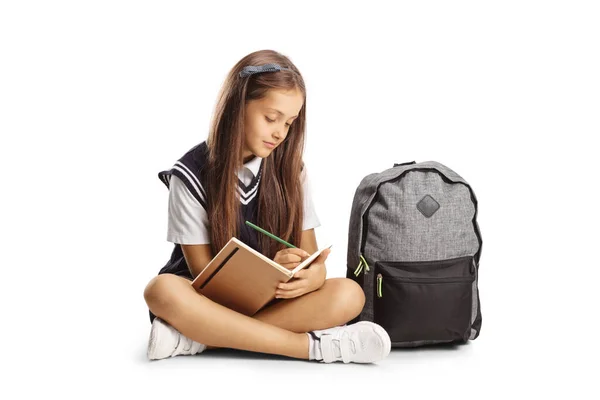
(348, 298)
(161, 293)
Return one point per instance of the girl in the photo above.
(251, 168)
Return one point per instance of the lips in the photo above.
(269, 144)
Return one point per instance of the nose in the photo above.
(277, 135)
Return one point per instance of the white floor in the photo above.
(489, 367)
(113, 364)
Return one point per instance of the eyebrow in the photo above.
(279, 112)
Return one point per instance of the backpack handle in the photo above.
(406, 163)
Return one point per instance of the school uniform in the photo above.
(187, 212)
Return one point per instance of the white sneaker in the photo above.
(362, 342)
(166, 341)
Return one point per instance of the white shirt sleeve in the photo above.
(311, 220)
(188, 220)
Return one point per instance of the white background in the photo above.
(97, 97)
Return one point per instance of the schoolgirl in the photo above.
(251, 168)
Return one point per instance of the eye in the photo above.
(272, 120)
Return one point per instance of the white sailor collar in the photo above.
(253, 165)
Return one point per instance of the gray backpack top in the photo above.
(414, 247)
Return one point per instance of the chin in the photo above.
(263, 151)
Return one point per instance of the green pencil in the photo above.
(269, 234)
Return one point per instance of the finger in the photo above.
(323, 256)
(292, 286)
(300, 283)
(295, 256)
(302, 274)
(290, 265)
(288, 258)
(296, 251)
(290, 294)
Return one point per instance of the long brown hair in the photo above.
(280, 195)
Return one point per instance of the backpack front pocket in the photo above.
(425, 300)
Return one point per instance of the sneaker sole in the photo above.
(382, 333)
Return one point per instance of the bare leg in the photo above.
(173, 299)
(335, 303)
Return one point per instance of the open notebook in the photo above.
(243, 279)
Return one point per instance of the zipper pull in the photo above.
(362, 263)
(365, 261)
(358, 268)
(379, 282)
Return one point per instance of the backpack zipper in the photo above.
(379, 282)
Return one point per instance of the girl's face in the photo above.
(268, 121)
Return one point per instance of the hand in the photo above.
(306, 280)
(290, 258)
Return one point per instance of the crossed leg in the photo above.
(277, 329)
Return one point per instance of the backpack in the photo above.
(414, 247)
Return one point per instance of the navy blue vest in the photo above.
(190, 168)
